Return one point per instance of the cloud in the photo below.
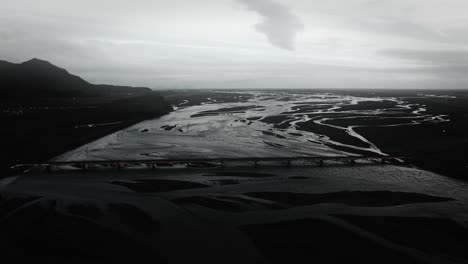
(279, 24)
(430, 57)
(448, 65)
(397, 27)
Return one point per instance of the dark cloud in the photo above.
(397, 27)
(279, 24)
(448, 67)
(430, 57)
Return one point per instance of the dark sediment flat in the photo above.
(85, 210)
(239, 174)
(350, 150)
(212, 203)
(352, 198)
(369, 105)
(278, 201)
(306, 108)
(436, 236)
(316, 240)
(45, 233)
(168, 128)
(154, 186)
(298, 178)
(227, 203)
(134, 217)
(437, 147)
(275, 119)
(335, 134)
(371, 121)
(8, 205)
(276, 145)
(204, 114)
(225, 182)
(273, 134)
(197, 97)
(228, 110)
(279, 122)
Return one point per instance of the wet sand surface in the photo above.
(367, 213)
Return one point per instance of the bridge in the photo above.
(209, 162)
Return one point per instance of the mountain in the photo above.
(45, 111)
(42, 79)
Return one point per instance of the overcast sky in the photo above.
(245, 43)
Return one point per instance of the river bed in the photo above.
(273, 124)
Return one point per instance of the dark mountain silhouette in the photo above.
(40, 78)
(45, 111)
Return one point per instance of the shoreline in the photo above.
(91, 138)
(63, 148)
(38, 136)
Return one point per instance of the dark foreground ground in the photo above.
(366, 213)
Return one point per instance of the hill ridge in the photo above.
(40, 78)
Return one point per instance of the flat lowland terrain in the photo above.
(440, 147)
(40, 129)
(428, 128)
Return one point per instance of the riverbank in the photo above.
(35, 131)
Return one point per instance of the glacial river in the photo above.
(267, 125)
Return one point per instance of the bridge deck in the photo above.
(154, 163)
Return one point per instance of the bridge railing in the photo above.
(200, 162)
